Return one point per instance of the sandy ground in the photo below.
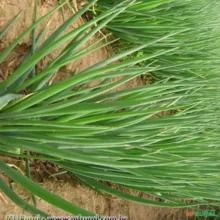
(90, 200)
(68, 188)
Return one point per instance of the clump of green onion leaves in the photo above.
(160, 139)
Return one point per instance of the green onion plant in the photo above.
(196, 43)
(100, 135)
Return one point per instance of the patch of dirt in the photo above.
(88, 199)
(66, 187)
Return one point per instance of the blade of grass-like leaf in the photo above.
(100, 26)
(75, 57)
(55, 89)
(67, 23)
(103, 188)
(62, 10)
(19, 201)
(8, 50)
(5, 99)
(30, 72)
(33, 35)
(80, 156)
(43, 193)
(64, 59)
(152, 93)
(45, 50)
(146, 179)
(89, 50)
(28, 173)
(131, 51)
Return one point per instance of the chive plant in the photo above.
(197, 40)
(102, 136)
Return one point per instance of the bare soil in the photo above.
(66, 187)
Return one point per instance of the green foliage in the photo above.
(100, 135)
(195, 46)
